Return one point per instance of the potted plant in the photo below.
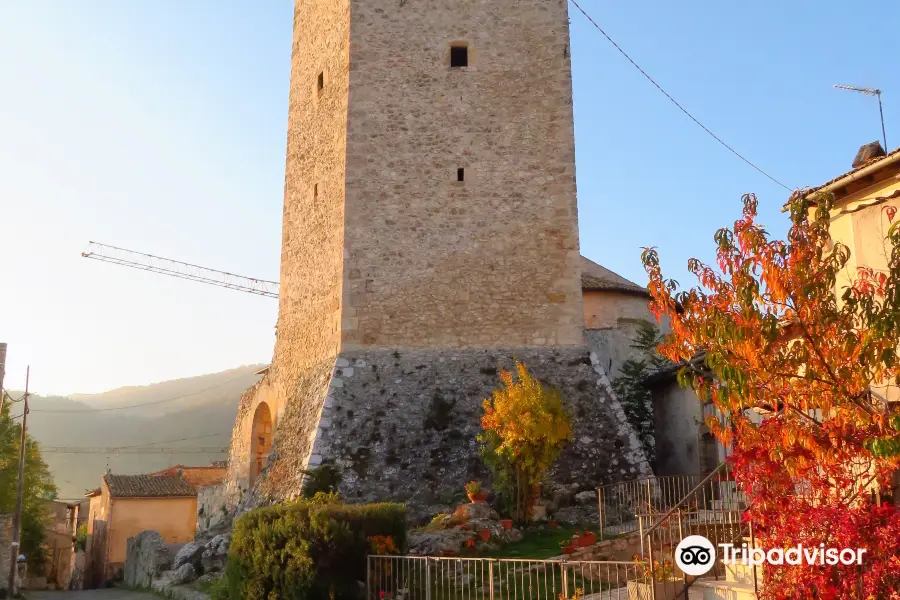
(567, 547)
(658, 581)
(588, 538)
(485, 534)
(507, 524)
(473, 491)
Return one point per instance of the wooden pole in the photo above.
(17, 515)
(2, 374)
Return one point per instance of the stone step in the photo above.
(708, 589)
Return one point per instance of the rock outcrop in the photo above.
(471, 527)
(190, 554)
(215, 553)
(146, 557)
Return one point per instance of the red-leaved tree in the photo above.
(781, 330)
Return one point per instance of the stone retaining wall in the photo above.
(402, 425)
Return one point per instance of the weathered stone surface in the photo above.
(476, 510)
(146, 556)
(183, 574)
(586, 497)
(213, 509)
(585, 514)
(215, 553)
(429, 209)
(383, 246)
(460, 531)
(189, 554)
(171, 584)
(415, 441)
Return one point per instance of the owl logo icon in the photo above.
(695, 555)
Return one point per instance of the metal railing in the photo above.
(620, 504)
(714, 508)
(439, 578)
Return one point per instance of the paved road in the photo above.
(104, 594)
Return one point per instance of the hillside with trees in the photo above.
(190, 412)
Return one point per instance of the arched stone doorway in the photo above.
(260, 440)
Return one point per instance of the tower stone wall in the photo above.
(430, 237)
(430, 261)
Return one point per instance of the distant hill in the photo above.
(201, 407)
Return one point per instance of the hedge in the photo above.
(307, 550)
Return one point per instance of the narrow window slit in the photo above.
(460, 174)
(459, 56)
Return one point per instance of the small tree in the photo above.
(38, 486)
(525, 427)
(783, 336)
(630, 388)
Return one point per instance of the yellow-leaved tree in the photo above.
(524, 428)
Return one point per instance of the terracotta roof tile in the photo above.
(147, 486)
(851, 172)
(595, 277)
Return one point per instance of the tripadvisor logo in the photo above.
(695, 555)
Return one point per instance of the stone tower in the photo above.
(430, 236)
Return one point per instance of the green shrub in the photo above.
(307, 549)
(81, 535)
(325, 478)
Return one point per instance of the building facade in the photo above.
(125, 505)
(430, 238)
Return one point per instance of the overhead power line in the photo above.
(667, 95)
(182, 270)
(144, 448)
(96, 410)
(127, 450)
(196, 437)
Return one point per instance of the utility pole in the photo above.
(2, 373)
(17, 515)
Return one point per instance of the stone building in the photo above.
(430, 237)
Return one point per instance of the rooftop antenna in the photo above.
(868, 92)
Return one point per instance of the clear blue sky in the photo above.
(160, 126)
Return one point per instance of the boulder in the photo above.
(183, 574)
(215, 553)
(586, 497)
(474, 511)
(435, 543)
(210, 577)
(461, 532)
(190, 553)
(585, 514)
(146, 556)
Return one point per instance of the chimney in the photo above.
(867, 153)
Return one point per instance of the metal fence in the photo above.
(439, 578)
(713, 507)
(620, 504)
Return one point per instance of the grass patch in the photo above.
(537, 543)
